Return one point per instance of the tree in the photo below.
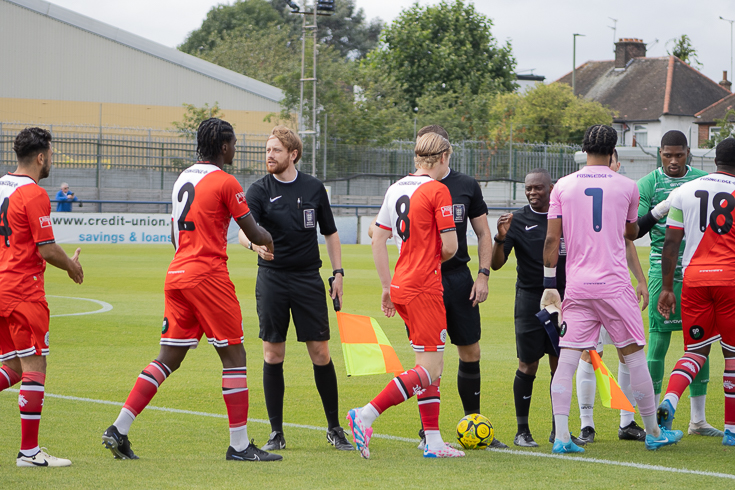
(545, 114)
(194, 116)
(346, 30)
(448, 47)
(682, 48)
(727, 129)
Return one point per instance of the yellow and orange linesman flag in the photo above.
(366, 348)
(610, 393)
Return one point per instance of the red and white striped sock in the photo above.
(429, 405)
(8, 378)
(400, 389)
(728, 381)
(235, 393)
(142, 393)
(684, 372)
(30, 402)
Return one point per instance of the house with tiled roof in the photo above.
(707, 118)
(649, 96)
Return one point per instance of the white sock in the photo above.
(29, 453)
(651, 425)
(673, 399)
(368, 414)
(658, 399)
(624, 380)
(697, 403)
(434, 439)
(239, 438)
(586, 387)
(562, 428)
(124, 421)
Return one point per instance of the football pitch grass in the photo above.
(96, 358)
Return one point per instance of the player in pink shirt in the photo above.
(597, 209)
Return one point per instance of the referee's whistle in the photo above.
(335, 300)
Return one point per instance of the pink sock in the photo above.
(640, 382)
(561, 386)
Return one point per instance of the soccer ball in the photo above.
(475, 431)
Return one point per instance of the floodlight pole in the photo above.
(730, 21)
(574, 62)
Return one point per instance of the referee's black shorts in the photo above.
(463, 319)
(532, 341)
(281, 294)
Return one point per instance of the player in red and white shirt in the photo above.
(597, 209)
(26, 244)
(200, 298)
(417, 211)
(702, 210)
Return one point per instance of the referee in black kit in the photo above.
(289, 204)
(525, 231)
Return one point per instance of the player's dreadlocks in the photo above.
(599, 139)
(211, 135)
(674, 138)
(30, 142)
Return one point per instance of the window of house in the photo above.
(620, 129)
(714, 131)
(640, 133)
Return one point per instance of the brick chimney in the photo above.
(626, 49)
(725, 83)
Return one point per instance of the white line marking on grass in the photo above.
(581, 459)
(105, 306)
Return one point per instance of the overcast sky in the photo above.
(540, 31)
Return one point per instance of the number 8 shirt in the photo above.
(417, 209)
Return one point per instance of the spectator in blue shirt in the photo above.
(65, 198)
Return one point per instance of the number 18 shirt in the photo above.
(704, 209)
(594, 205)
(417, 209)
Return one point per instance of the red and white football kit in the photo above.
(25, 224)
(417, 209)
(200, 298)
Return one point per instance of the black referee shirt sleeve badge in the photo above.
(309, 218)
(459, 213)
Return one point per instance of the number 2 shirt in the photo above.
(417, 209)
(703, 208)
(25, 224)
(204, 198)
(594, 204)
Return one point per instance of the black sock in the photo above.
(522, 391)
(274, 387)
(326, 385)
(468, 385)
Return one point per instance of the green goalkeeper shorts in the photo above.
(656, 321)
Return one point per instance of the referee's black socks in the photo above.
(468, 385)
(522, 391)
(274, 387)
(326, 384)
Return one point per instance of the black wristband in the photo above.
(498, 240)
(550, 282)
(484, 271)
(338, 271)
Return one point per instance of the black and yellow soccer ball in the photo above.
(475, 431)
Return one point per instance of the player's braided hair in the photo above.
(429, 150)
(30, 142)
(211, 135)
(725, 152)
(674, 138)
(434, 128)
(599, 139)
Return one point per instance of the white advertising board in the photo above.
(111, 228)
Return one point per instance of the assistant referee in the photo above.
(289, 204)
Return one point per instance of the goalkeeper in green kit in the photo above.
(655, 189)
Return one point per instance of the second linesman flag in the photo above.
(610, 393)
(366, 348)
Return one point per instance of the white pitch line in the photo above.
(105, 306)
(580, 459)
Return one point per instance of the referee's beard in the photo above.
(278, 168)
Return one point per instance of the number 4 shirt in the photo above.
(204, 198)
(703, 208)
(25, 224)
(417, 209)
(594, 204)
